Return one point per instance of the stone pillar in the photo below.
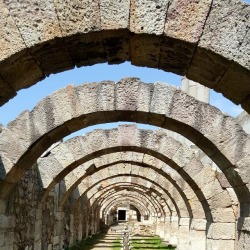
(196, 90)
(58, 230)
(174, 231)
(243, 227)
(167, 229)
(183, 233)
(160, 227)
(221, 236)
(7, 226)
(197, 239)
(38, 230)
(71, 229)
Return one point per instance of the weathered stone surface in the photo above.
(175, 55)
(11, 149)
(186, 19)
(6, 221)
(21, 71)
(48, 172)
(198, 224)
(11, 39)
(220, 244)
(243, 224)
(37, 21)
(221, 32)
(223, 215)
(78, 17)
(116, 45)
(244, 240)
(162, 98)
(218, 231)
(235, 72)
(145, 48)
(114, 14)
(148, 16)
(126, 94)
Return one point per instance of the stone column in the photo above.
(71, 229)
(160, 227)
(58, 230)
(183, 233)
(174, 231)
(7, 226)
(197, 239)
(38, 230)
(196, 90)
(220, 236)
(243, 227)
(167, 229)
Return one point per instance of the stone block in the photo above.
(162, 98)
(107, 96)
(221, 200)
(222, 35)
(223, 214)
(224, 231)
(243, 224)
(7, 222)
(186, 19)
(183, 156)
(243, 241)
(198, 224)
(184, 221)
(47, 172)
(37, 21)
(127, 94)
(114, 14)
(197, 240)
(78, 17)
(145, 50)
(213, 244)
(11, 39)
(8, 238)
(148, 16)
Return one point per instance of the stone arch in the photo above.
(229, 150)
(137, 206)
(146, 205)
(135, 196)
(168, 189)
(141, 190)
(132, 189)
(131, 199)
(182, 41)
(130, 157)
(75, 177)
(211, 185)
(138, 181)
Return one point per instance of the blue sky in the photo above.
(26, 99)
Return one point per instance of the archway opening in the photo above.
(122, 214)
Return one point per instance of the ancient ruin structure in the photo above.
(189, 179)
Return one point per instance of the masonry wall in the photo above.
(28, 225)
